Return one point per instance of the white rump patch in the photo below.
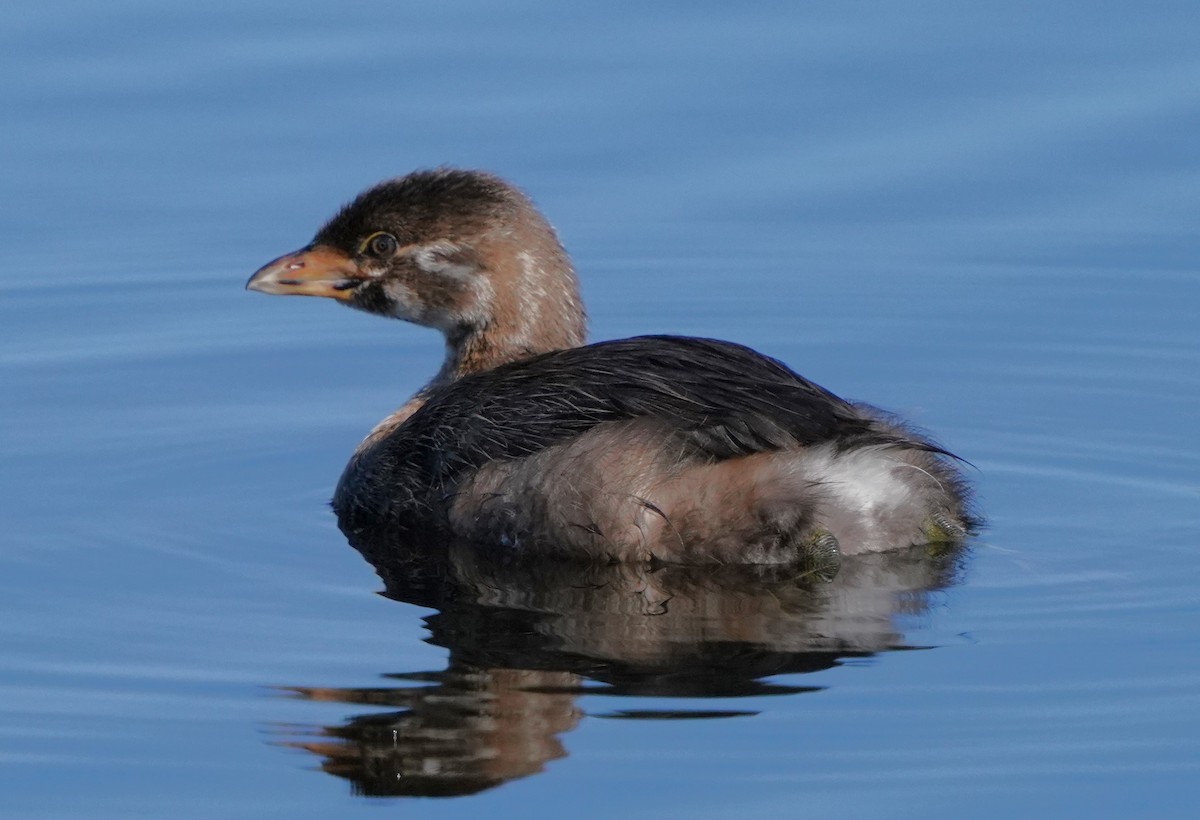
(874, 498)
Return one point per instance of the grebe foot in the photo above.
(941, 529)
(822, 555)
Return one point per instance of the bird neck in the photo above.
(534, 307)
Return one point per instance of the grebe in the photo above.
(528, 440)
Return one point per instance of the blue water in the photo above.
(983, 216)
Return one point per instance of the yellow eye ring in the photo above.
(381, 245)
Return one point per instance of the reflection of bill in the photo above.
(526, 640)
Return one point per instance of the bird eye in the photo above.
(380, 245)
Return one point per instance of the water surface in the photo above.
(983, 218)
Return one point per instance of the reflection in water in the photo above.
(525, 639)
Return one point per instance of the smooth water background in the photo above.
(982, 215)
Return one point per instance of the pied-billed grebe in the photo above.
(657, 447)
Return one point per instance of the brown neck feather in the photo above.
(534, 304)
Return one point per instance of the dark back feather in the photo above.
(723, 399)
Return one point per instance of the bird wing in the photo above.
(721, 399)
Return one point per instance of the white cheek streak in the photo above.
(437, 259)
(532, 296)
(481, 306)
(404, 302)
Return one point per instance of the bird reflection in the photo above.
(525, 639)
